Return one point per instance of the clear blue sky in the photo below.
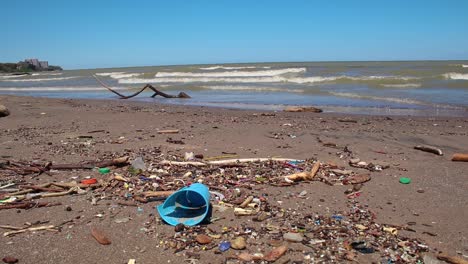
(98, 33)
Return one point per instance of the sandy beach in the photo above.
(42, 130)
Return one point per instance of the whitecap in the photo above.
(118, 75)
(456, 76)
(406, 85)
(232, 73)
(41, 79)
(251, 88)
(218, 67)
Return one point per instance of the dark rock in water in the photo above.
(4, 111)
(302, 109)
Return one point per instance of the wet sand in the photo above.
(47, 129)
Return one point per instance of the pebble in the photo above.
(238, 243)
(354, 161)
(293, 237)
(179, 228)
(203, 239)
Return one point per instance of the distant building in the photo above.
(44, 64)
(37, 64)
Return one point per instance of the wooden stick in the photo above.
(460, 157)
(31, 229)
(451, 259)
(168, 131)
(157, 194)
(118, 162)
(220, 162)
(27, 205)
(430, 149)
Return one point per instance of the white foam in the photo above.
(252, 88)
(369, 97)
(58, 89)
(465, 66)
(41, 79)
(456, 76)
(267, 79)
(217, 67)
(406, 85)
(118, 75)
(232, 73)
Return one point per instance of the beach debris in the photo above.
(168, 131)
(104, 170)
(302, 109)
(10, 260)
(181, 95)
(238, 243)
(131, 261)
(138, 164)
(451, 259)
(405, 180)
(304, 176)
(224, 246)
(293, 237)
(276, 253)
(19, 230)
(28, 205)
(4, 111)
(429, 149)
(100, 236)
(203, 239)
(460, 157)
(357, 179)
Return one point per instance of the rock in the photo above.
(203, 239)
(302, 109)
(9, 259)
(4, 111)
(354, 161)
(179, 228)
(293, 237)
(341, 172)
(238, 243)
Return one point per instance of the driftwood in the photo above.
(302, 176)
(451, 259)
(157, 194)
(460, 157)
(25, 169)
(118, 162)
(169, 131)
(31, 229)
(149, 86)
(220, 162)
(27, 205)
(430, 149)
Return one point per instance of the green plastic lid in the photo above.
(104, 170)
(405, 180)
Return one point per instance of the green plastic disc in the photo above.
(405, 180)
(104, 170)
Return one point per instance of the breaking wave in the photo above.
(118, 75)
(42, 79)
(252, 88)
(406, 85)
(232, 73)
(261, 79)
(464, 66)
(218, 67)
(456, 76)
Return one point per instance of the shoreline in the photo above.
(442, 112)
(48, 130)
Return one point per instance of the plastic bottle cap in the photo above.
(104, 170)
(89, 181)
(405, 180)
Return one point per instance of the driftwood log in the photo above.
(149, 86)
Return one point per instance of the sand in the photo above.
(39, 129)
